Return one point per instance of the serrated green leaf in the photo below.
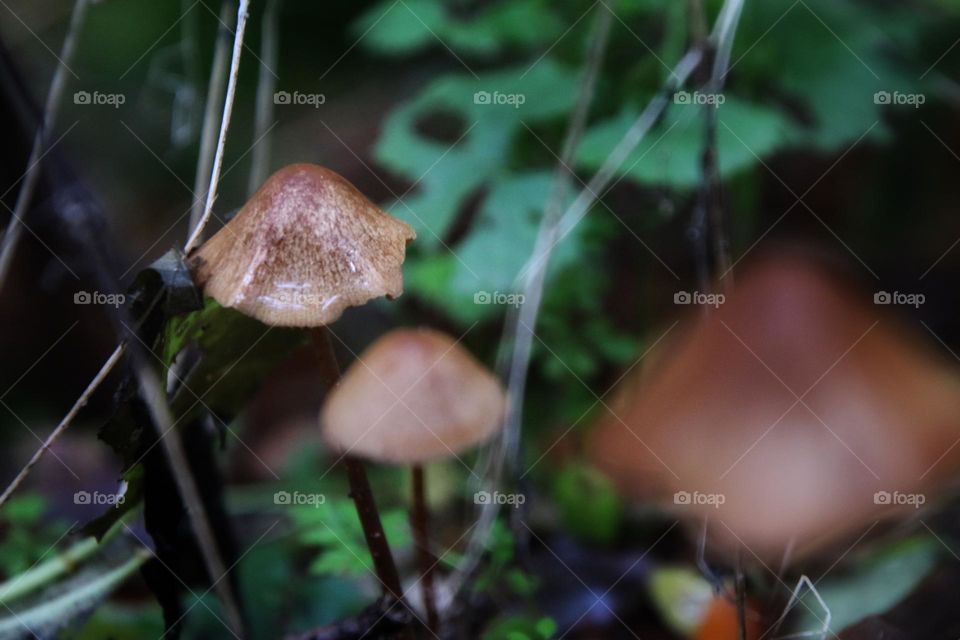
(444, 173)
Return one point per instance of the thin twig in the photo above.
(197, 233)
(111, 362)
(504, 453)
(41, 138)
(65, 422)
(420, 524)
(154, 396)
(710, 205)
(215, 89)
(633, 137)
(266, 85)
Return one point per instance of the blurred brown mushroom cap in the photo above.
(414, 395)
(719, 414)
(305, 247)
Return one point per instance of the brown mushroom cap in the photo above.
(414, 395)
(305, 247)
(718, 415)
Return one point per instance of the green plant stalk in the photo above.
(43, 574)
(72, 601)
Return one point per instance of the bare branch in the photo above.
(266, 85)
(215, 89)
(65, 422)
(514, 369)
(197, 232)
(42, 137)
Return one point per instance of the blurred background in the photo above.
(836, 132)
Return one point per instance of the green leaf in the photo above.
(682, 596)
(444, 173)
(24, 510)
(880, 581)
(69, 600)
(829, 58)
(521, 628)
(670, 153)
(589, 504)
(237, 353)
(398, 28)
(334, 527)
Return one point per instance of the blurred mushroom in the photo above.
(794, 416)
(306, 246)
(414, 396)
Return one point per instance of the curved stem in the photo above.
(361, 492)
(373, 532)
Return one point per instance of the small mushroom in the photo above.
(306, 246)
(414, 396)
(792, 416)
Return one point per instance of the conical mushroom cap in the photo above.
(414, 395)
(793, 416)
(305, 247)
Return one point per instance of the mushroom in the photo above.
(306, 246)
(794, 415)
(414, 396)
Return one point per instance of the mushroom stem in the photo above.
(361, 492)
(740, 586)
(372, 527)
(420, 523)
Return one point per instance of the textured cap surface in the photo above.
(305, 247)
(414, 395)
